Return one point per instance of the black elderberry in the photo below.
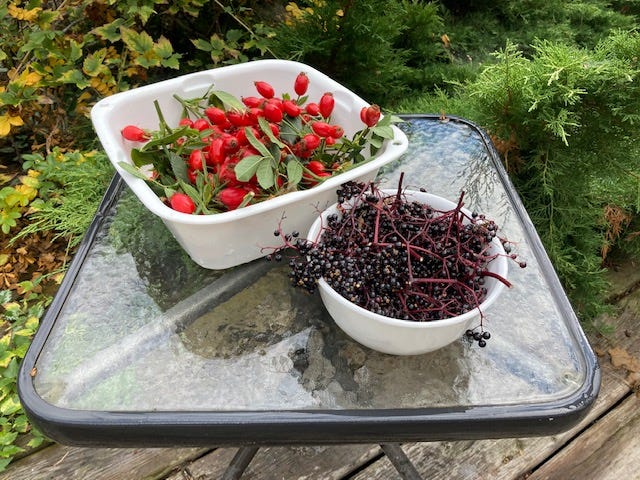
(383, 253)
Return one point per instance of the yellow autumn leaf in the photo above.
(30, 180)
(33, 173)
(7, 121)
(58, 277)
(26, 78)
(22, 14)
(28, 191)
(11, 306)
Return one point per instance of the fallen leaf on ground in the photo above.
(622, 358)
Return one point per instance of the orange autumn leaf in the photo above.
(622, 358)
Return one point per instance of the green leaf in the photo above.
(228, 99)
(139, 159)
(35, 442)
(75, 52)
(246, 168)
(75, 77)
(384, 131)
(201, 44)
(192, 192)
(7, 438)
(290, 130)
(170, 138)
(376, 141)
(138, 42)
(4, 463)
(10, 405)
(257, 144)
(265, 174)
(172, 61)
(110, 31)
(164, 47)
(294, 170)
(179, 166)
(266, 129)
(21, 424)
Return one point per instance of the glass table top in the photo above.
(139, 335)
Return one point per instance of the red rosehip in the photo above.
(134, 134)
(272, 113)
(312, 109)
(232, 197)
(276, 101)
(216, 152)
(227, 173)
(217, 116)
(301, 83)
(264, 89)
(370, 115)
(291, 108)
(185, 122)
(253, 102)
(253, 114)
(322, 128)
(275, 129)
(182, 202)
(241, 135)
(230, 144)
(326, 105)
(336, 131)
(201, 124)
(237, 119)
(196, 159)
(310, 141)
(329, 141)
(316, 167)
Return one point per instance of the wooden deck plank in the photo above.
(75, 463)
(605, 451)
(308, 463)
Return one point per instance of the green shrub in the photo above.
(480, 27)
(378, 48)
(566, 120)
(71, 186)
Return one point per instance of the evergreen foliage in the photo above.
(566, 121)
(377, 48)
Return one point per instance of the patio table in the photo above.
(143, 348)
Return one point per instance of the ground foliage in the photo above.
(560, 98)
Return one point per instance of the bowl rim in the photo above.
(500, 263)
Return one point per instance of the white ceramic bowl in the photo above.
(231, 238)
(403, 337)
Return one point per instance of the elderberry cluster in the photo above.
(478, 336)
(397, 257)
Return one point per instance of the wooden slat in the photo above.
(74, 463)
(308, 463)
(610, 450)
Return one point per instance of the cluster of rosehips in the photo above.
(281, 144)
